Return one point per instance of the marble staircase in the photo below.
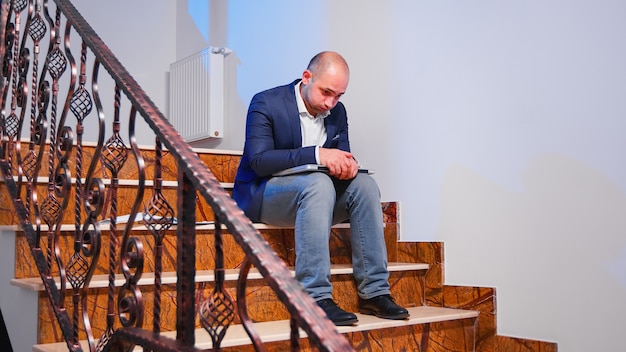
(443, 318)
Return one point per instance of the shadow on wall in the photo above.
(555, 253)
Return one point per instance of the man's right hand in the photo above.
(340, 163)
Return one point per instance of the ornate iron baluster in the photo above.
(62, 189)
(218, 311)
(158, 217)
(242, 306)
(130, 299)
(80, 105)
(185, 260)
(22, 96)
(90, 245)
(93, 201)
(32, 161)
(38, 140)
(51, 206)
(63, 178)
(113, 157)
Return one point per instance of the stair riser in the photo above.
(223, 164)
(126, 195)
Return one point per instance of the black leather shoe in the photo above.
(383, 307)
(337, 315)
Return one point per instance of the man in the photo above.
(304, 123)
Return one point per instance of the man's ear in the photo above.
(306, 77)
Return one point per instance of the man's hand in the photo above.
(340, 164)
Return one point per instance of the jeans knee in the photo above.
(319, 187)
(366, 186)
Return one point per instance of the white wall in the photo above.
(496, 124)
(143, 38)
(512, 115)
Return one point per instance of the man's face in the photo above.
(321, 92)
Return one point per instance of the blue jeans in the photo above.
(311, 203)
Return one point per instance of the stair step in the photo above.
(44, 180)
(274, 331)
(35, 284)
(138, 226)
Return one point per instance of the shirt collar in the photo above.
(302, 107)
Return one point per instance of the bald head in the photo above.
(327, 60)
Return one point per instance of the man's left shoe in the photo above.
(383, 307)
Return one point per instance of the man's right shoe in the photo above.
(383, 306)
(337, 315)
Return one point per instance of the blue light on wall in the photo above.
(199, 12)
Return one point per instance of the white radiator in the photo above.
(197, 94)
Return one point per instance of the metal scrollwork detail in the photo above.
(130, 301)
(216, 315)
(19, 5)
(56, 63)
(22, 85)
(8, 45)
(217, 312)
(51, 208)
(94, 199)
(81, 103)
(11, 124)
(37, 28)
(114, 154)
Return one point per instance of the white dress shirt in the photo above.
(312, 127)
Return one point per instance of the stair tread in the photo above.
(200, 226)
(279, 330)
(124, 182)
(35, 284)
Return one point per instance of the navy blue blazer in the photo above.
(274, 143)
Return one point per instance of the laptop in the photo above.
(312, 168)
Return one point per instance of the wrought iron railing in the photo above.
(47, 82)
